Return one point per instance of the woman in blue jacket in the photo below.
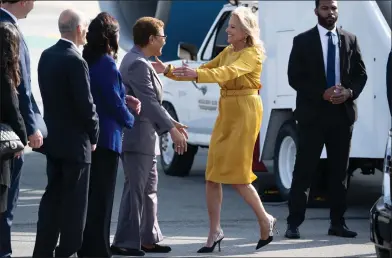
(108, 92)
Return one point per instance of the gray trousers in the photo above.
(137, 219)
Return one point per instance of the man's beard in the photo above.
(327, 22)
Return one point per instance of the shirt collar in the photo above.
(323, 31)
(69, 41)
(11, 15)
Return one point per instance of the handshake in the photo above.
(337, 94)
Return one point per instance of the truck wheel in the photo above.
(382, 253)
(284, 157)
(172, 163)
(284, 160)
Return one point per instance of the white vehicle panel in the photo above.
(197, 103)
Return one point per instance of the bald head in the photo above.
(69, 21)
(73, 26)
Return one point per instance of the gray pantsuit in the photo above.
(137, 221)
(138, 208)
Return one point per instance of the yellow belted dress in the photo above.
(237, 126)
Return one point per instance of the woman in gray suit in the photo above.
(137, 229)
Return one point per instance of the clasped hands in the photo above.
(336, 94)
(183, 71)
(133, 103)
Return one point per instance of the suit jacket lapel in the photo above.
(158, 88)
(22, 37)
(157, 77)
(7, 17)
(342, 50)
(318, 52)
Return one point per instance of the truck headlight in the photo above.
(386, 182)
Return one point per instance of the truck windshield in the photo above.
(385, 7)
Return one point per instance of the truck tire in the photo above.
(172, 163)
(284, 157)
(382, 253)
(284, 160)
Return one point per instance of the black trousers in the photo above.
(336, 134)
(5, 180)
(63, 209)
(3, 198)
(96, 238)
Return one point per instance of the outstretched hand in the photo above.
(158, 65)
(185, 71)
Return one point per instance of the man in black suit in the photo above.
(69, 113)
(12, 11)
(389, 81)
(327, 71)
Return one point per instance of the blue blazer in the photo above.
(109, 97)
(28, 107)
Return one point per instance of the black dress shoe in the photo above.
(126, 251)
(157, 249)
(292, 232)
(341, 231)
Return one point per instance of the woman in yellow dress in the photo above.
(237, 70)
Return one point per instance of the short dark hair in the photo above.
(101, 38)
(9, 1)
(317, 2)
(144, 28)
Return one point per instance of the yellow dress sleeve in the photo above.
(246, 63)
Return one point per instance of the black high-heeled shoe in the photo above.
(206, 249)
(264, 242)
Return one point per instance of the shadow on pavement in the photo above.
(184, 220)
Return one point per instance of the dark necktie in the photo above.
(331, 79)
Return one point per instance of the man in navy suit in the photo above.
(12, 11)
(73, 126)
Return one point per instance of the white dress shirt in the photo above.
(72, 44)
(324, 43)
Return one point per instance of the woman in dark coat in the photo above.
(108, 92)
(9, 104)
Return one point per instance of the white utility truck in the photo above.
(196, 104)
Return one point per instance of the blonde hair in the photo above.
(250, 26)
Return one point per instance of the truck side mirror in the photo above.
(187, 51)
(234, 2)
